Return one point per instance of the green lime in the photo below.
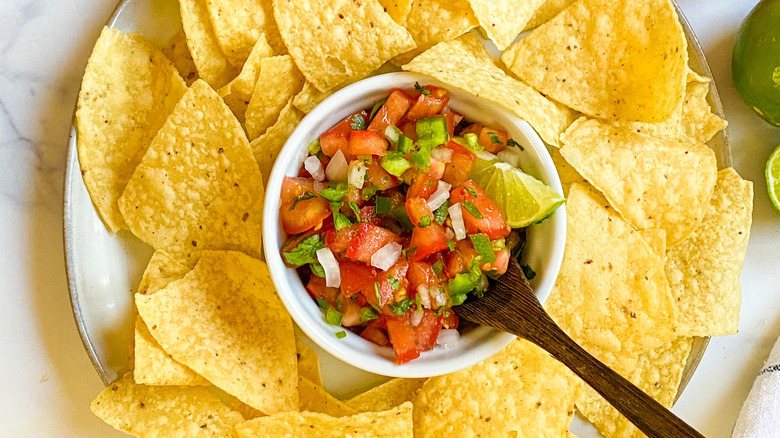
(524, 199)
(773, 177)
(755, 64)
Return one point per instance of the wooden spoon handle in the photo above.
(648, 415)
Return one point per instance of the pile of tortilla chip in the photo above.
(176, 144)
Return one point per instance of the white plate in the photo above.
(104, 268)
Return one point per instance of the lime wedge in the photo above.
(773, 177)
(524, 199)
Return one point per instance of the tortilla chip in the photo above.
(161, 270)
(397, 9)
(546, 11)
(315, 399)
(465, 63)
(129, 89)
(153, 366)
(245, 410)
(238, 92)
(238, 25)
(521, 391)
(387, 395)
(212, 64)
(169, 411)
(198, 186)
(653, 183)
(503, 20)
(179, 54)
(658, 374)
(395, 423)
(656, 238)
(225, 321)
(704, 269)
(611, 295)
(699, 123)
(336, 41)
(566, 172)
(624, 59)
(308, 363)
(267, 146)
(279, 80)
(433, 21)
(310, 97)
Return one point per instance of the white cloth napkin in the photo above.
(760, 415)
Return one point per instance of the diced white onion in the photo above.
(331, 267)
(511, 156)
(320, 186)
(386, 256)
(357, 173)
(438, 197)
(456, 217)
(457, 119)
(448, 338)
(392, 133)
(337, 168)
(416, 317)
(442, 154)
(438, 297)
(314, 167)
(425, 296)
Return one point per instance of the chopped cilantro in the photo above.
(355, 209)
(358, 122)
(394, 282)
(438, 267)
(401, 307)
(317, 269)
(367, 314)
(303, 197)
(494, 138)
(528, 272)
(376, 293)
(376, 107)
(472, 209)
(483, 247)
(314, 147)
(305, 252)
(450, 245)
(421, 89)
(440, 215)
(368, 192)
(341, 334)
(511, 142)
(425, 221)
(418, 302)
(340, 221)
(322, 304)
(471, 191)
(333, 194)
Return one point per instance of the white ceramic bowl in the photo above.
(544, 248)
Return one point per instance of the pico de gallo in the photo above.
(385, 227)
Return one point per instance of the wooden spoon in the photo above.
(511, 305)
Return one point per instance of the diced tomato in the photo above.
(379, 323)
(391, 112)
(459, 261)
(367, 215)
(417, 209)
(449, 320)
(350, 311)
(409, 129)
(427, 240)
(387, 290)
(338, 241)
(492, 222)
(317, 289)
(427, 331)
(378, 176)
(486, 141)
(423, 185)
(306, 213)
(368, 240)
(501, 264)
(429, 105)
(374, 335)
(367, 143)
(456, 172)
(450, 119)
(474, 128)
(421, 273)
(356, 277)
(403, 338)
(336, 138)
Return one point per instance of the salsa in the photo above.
(385, 227)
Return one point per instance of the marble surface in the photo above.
(46, 378)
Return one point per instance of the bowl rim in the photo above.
(490, 341)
